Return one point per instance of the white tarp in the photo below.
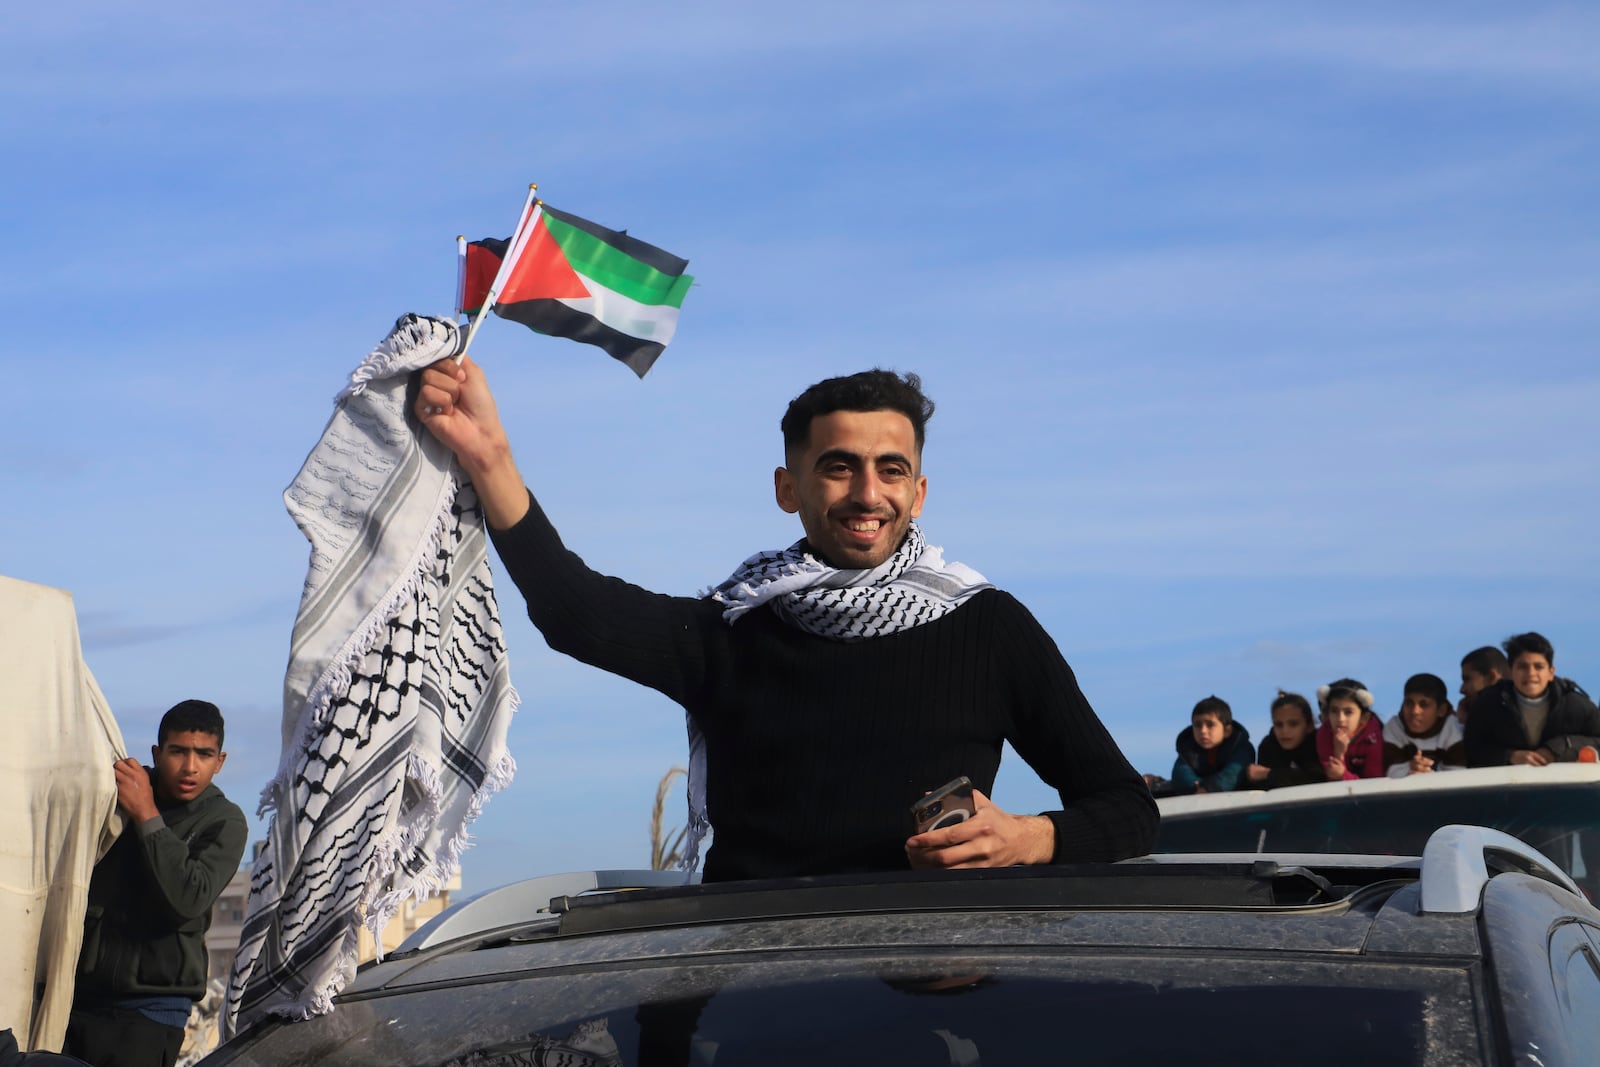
(59, 796)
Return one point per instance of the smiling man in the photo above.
(143, 962)
(831, 684)
(852, 480)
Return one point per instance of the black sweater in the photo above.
(1294, 766)
(816, 749)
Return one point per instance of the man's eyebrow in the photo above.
(838, 455)
(842, 455)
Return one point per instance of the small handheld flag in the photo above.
(568, 277)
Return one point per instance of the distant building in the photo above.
(227, 921)
(406, 921)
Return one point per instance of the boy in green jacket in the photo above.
(143, 961)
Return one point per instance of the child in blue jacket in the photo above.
(1212, 753)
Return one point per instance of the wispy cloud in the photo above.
(1547, 46)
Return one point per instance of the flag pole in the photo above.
(532, 208)
(461, 273)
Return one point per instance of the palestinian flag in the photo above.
(575, 279)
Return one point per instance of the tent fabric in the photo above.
(60, 798)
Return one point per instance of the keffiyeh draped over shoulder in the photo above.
(397, 697)
(911, 587)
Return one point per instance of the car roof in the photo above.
(1417, 927)
(1230, 901)
(1471, 779)
(1171, 908)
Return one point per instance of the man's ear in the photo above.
(1227, 729)
(783, 488)
(155, 750)
(222, 757)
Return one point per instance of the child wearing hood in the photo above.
(1288, 755)
(1424, 736)
(1350, 739)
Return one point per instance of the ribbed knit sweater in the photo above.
(816, 749)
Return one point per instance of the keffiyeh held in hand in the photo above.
(397, 697)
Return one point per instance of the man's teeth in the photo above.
(864, 525)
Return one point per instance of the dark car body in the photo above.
(1478, 953)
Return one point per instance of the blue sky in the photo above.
(1263, 334)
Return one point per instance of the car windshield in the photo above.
(1561, 820)
(1011, 1010)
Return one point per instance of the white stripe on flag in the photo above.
(648, 322)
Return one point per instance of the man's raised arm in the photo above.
(455, 404)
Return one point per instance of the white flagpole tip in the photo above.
(519, 237)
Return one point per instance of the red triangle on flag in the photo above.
(543, 272)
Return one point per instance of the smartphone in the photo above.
(949, 804)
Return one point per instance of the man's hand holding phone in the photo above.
(949, 804)
(988, 837)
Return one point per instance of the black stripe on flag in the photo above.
(555, 319)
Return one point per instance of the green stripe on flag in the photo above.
(618, 271)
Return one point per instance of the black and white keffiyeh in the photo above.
(911, 587)
(397, 696)
(914, 586)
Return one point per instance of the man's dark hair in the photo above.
(1487, 660)
(869, 390)
(1430, 686)
(1521, 644)
(197, 716)
(1213, 705)
(1294, 700)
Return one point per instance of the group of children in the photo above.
(1215, 753)
(1520, 713)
